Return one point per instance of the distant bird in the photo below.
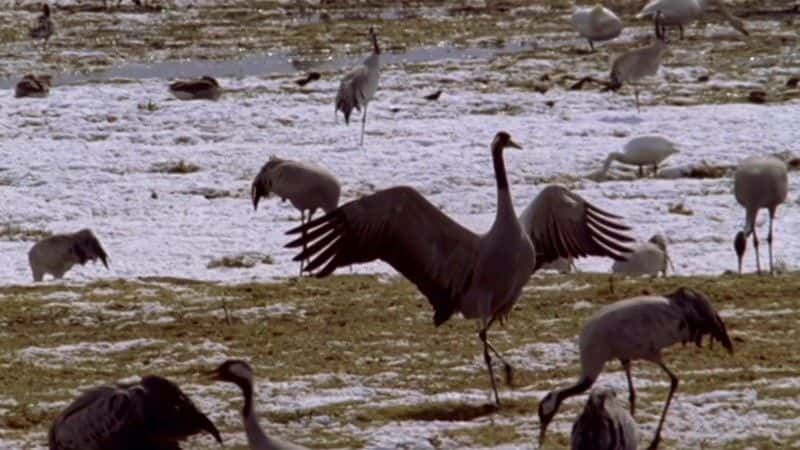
(648, 258)
(312, 76)
(239, 373)
(480, 276)
(57, 254)
(759, 182)
(152, 414)
(683, 12)
(308, 187)
(358, 86)
(43, 28)
(638, 328)
(604, 424)
(433, 97)
(33, 86)
(561, 265)
(643, 151)
(204, 88)
(596, 24)
(632, 66)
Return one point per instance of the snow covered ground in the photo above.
(87, 156)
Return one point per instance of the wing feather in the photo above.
(562, 224)
(398, 226)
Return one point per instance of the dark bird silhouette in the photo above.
(433, 97)
(480, 276)
(57, 254)
(43, 28)
(204, 88)
(312, 76)
(638, 328)
(33, 86)
(152, 414)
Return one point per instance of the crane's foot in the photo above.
(509, 373)
(654, 444)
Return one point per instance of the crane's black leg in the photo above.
(681, 28)
(636, 95)
(673, 385)
(755, 246)
(626, 364)
(591, 45)
(303, 222)
(769, 239)
(641, 172)
(363, 123)
(488, 359)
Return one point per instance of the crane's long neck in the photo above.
(581, 386)
(505, 207)
(255, 434)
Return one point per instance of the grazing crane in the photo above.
(596, 24)
(311, 76)
(57, 254)
(683, 12)
(648, 258)
(604, 424)
(639, 63)
(480, 276)
(759, 182)
(642, 151)
(638, 328)
(152, 414)
(204, 88)
(358, 87)
(307, 187)
(33, 86)
(239, 373)
(43, 28)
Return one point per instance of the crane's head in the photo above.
(86, 247)
(169, 414)
(660, 241)
(503, 140)
(374, 38)
(234, 371)
(658, 22)
(45, 10)
(548, 407)
(740, 244)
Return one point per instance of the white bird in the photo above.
(308, 187)
(596, 24)
(643, 151)
(480, 276)
(153, 414)
(604, 424)
(561, 265)
(239, 373)
(633, 329)
(632, 66)
(58, 253)
(683, 12)
(358, 87)
(759, 182)
(648, 258)
(43, 28)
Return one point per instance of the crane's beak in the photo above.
(514, 144)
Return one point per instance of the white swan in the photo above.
(596, 24)
(642, 151)
(683, 12)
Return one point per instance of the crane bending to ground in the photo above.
(480, 276)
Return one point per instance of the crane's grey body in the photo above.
(152, 414)
(634, 329)
(759, 182)
(358, 87)
(596, 24)
(456, 269)
(648, 258)
(632, 66)
(643, 151)
(683, 12)
(57, 254)
(33, 86)
(604, 424)
(239, 372)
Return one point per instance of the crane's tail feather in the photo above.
(701, 318)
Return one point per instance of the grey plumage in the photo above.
(57, 254)
(639, 63)
(152, 414)
(638, 328)
(759, 182)
(480, 276)
(33, 86)
(358, 87)
(604, 424)
(239, 373)
(43, 28)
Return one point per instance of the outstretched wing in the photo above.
(562, 224)
(400, 227)
(100, 418)
(86, 247)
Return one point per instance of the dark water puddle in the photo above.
(266, 64)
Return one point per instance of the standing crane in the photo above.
(759, 182)
(638, 328)
(480, 276)
(359, 85)
(43, 28)
(58, 253)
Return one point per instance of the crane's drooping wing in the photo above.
(400, 227)
(100, 418)
(86, 247)
(562, 224)
(351, 92)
